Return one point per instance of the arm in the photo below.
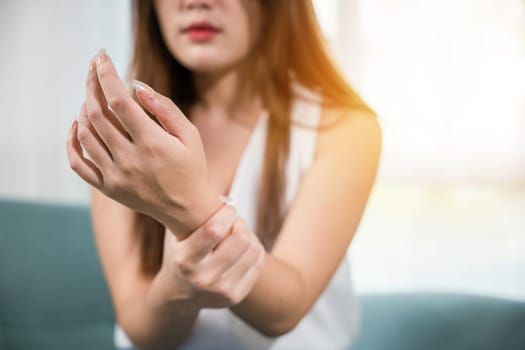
(163, 176)
(316, 233)
(136, 166)
(100, 133)
(318, 229)
(149, 325)
(144, 305)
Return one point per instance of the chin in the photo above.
(208, 69)
(208, 59)
(206, 65)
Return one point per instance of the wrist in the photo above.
(188, 218)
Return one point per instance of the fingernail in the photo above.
(101, 56)
(92, 63)
(143, 88)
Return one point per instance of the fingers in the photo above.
(241, 270)
(248, 246)
(230, 250)
(128, 112)
(91, 142)
(101, 118)
(167, 113)
(246, 272)
(201, 242)
(82, 166)
(227, 269)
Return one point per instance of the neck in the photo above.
(224, 96)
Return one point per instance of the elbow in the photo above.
(278, 328)
(135, 331)
(149, 331)
(275, 332)
(138, 337)
(132, 332)
(287, 319)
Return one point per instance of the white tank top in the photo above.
(332, 321)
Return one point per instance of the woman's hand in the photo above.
(215, 267)
(155, 171)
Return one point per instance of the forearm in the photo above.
(154, 318)
(277, 301)
(153, 324)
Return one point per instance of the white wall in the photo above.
(447, 79)
(46, 48)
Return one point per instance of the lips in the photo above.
(201, 31)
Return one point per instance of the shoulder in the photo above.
(348, 134)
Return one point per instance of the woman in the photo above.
(241, 101)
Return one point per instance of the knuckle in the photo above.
(94, 116)
(238, 225)
(152, 148)
(237, 297)
(117, 103)
(111, 185)
(127, 166)
(104, 72)
(242, 238)
(223, 291)
(184, 266)
(214, 231)
(83, 134)
(201, 283)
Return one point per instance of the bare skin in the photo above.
(135, 165)
(312, 243)
(225, 127)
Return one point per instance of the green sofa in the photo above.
(53, 296)
(52, 293)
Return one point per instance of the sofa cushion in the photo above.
(52, 289)
(440, 321)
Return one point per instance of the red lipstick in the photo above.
(201, 31)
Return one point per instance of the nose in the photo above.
(196, 4)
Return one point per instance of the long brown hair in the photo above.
(292, 49)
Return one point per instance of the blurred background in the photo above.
(447, 79)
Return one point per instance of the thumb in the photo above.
(168, 114)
